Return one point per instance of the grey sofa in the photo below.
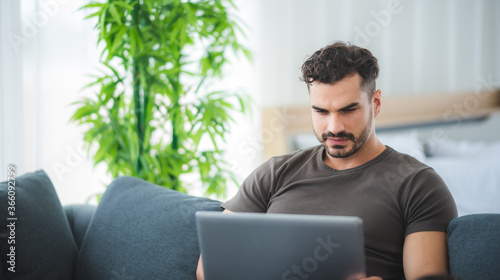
(144, 231)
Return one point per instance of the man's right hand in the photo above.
(200, 274)
(199, 271)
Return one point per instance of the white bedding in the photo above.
(472, 175)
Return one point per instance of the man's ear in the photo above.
(377, 102)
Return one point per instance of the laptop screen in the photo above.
(280, 246)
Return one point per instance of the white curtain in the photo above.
(11, 97)
(48, 51)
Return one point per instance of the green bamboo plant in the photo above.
(154, 109)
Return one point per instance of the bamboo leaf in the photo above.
(156, 163)
(144, 163)
(114, 13)
(102, 23)
(91, 5)
(247, 54)
(133, 144)
(118, 40)
(197, 137)
(124, 5)
(226, 104)
(212, 137)
(117, 75)
(83, 112)
(135, 33)
(149, 4)
(133, 41)
(103, 151)
(96, 14)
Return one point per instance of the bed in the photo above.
(457, 134)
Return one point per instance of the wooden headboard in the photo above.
(279, 123)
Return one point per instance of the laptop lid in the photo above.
(261, 246)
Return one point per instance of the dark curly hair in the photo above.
(339, 60)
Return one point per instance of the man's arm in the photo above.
(425, 253)
(200, 275)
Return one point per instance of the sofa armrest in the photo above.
(79, 217)
(474, 247)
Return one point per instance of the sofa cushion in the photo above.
(44, 244)
(79, 216)
(142, 231)
(473, 246)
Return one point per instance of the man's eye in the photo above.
(349, 110)
(321, 112)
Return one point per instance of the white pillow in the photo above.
(455, 148)
(404, 142)
(473, 181)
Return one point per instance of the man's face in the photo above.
(342, 116)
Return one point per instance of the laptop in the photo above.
(262, 246)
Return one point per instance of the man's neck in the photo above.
(370, 150)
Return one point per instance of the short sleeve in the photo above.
(429, 205)
(255, 192)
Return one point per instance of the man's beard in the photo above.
(341, 151)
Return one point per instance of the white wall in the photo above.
(423, 47)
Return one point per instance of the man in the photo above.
(404, 204)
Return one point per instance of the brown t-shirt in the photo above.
(394, 194)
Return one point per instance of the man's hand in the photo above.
(199, 271)
(200, 274)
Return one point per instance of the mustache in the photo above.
(341, 134)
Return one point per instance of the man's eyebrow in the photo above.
(316, 108)
(353, 104)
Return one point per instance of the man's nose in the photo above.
(335, 124)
